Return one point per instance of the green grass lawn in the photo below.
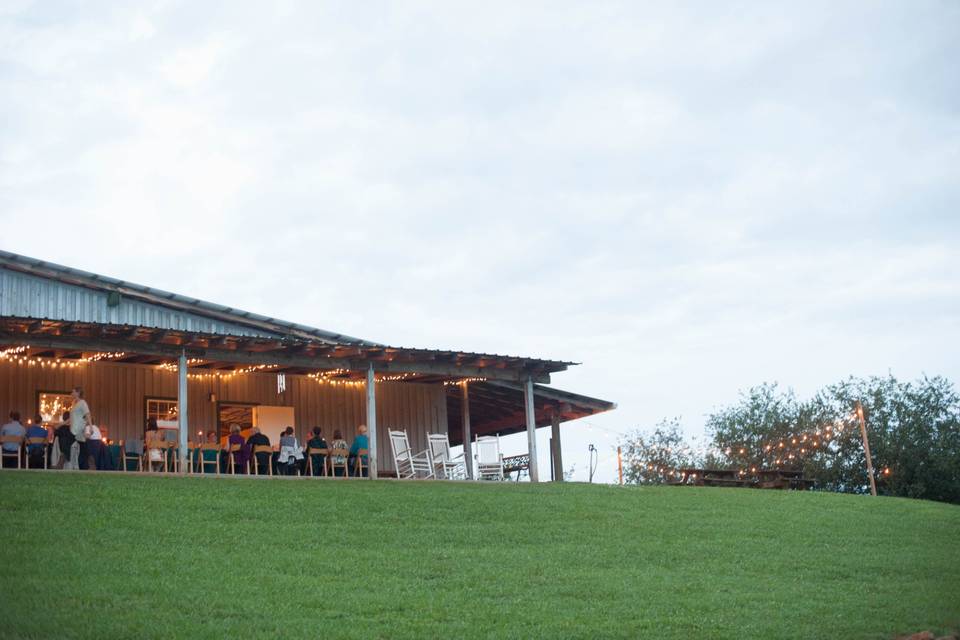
(124, 556)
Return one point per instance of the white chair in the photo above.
(489, 458)
(444, 465)
(408, 463)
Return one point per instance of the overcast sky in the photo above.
(690, 199)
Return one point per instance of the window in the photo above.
(52, 404)
(164, 410)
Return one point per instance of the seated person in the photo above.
(317, 442)
(94, 444)
(290, 453)
(240, 458)
(12, 428)
(360, 442)
(35, 452)
(258, 439)
(65, 440)
(337, 461)
(209, 455)
(152, 440)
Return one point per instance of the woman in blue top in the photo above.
(360, 442)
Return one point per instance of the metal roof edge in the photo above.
(98, 281)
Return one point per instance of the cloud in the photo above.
(688, 199)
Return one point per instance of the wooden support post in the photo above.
(182, 421)
(620, 465)
(553, 470)
(531, 430)
(372, 420)
(866, 449)
(465, 416)
(555, 447)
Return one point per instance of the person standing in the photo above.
(79, 419)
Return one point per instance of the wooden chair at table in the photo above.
(168, 452)
(262, 448)
(232, 454)
(11, 454)
(39, 440)
(126, 456)
(201, 461)
(324, 454)
(359, 465)
(342, 454)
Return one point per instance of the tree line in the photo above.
(913, 428)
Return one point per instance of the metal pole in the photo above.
(182, 421)
(372, 421)
(531, 430)
(866, 449)
(465, 416)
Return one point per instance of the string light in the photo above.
(104, 355)
(462, 381)
(52, 363)
(396, 377)
(325, 378)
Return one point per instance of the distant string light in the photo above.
(397, 377)
(462, 381)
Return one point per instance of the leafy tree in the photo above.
(914, 431)
(651, 457)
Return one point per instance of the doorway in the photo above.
(230, 413)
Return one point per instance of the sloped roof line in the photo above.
(286, 329)
(158, 296)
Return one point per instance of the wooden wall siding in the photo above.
(116, 395)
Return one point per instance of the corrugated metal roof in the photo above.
(138, 306)
(32, 288)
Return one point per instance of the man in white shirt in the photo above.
(12, 428)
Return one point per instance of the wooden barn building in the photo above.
(140, 352)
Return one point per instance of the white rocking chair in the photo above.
(489, 458)
(408, 463)
(445, 465)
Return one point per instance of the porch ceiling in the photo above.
(290, 355)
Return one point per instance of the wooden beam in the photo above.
(533, 470)
(557, 457)
(158, 347)
(182, 409)
(371, 389)
(465, 429)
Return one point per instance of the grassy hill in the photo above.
(110, 556)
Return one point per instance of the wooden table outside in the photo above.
(761, 479)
